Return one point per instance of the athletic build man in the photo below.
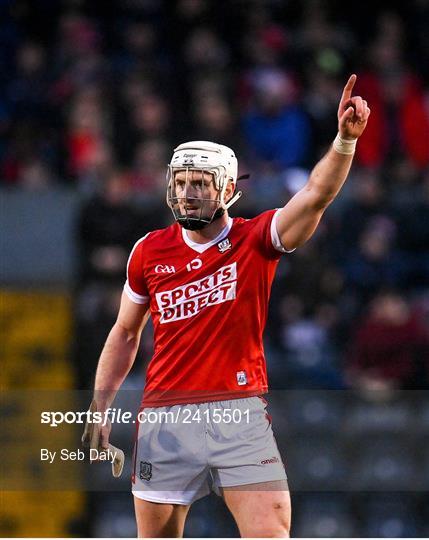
(206, 281)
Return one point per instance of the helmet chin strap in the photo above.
(233, 199)
(197, 224)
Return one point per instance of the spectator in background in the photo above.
(366, 202)
(147, 176)
(375, 263)
(35, 175)
(89, 151)
(307, 341)
(108, 226)
(22, 148)
(147, 117)
(206, 59)
(214, 117)
(139, 52)
(319, 34)
(150, 116)
(135, 86)
(306, 276)
(28, 91)
(388, 346)
(400, 114)
(28, 107)
(204, 50)
(263, 45)
(78, 61)
(321, 88)
(276, 128)
(412, 223)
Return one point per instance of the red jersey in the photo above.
(209, 305)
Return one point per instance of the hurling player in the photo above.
(205, 281)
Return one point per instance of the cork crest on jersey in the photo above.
(224, 245)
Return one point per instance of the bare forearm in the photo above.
(115, 362)
(330, 173)
(328, 177)
(299, 219)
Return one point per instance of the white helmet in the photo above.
(204, 156)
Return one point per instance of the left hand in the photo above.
(96, 437)
(96, 434)
(353, 112)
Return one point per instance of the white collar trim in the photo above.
(200, 248)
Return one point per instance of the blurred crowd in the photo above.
(97, 94)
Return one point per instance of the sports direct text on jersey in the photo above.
(188, 300)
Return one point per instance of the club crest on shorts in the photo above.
(241, 378)
(145, 470)
(224, 245)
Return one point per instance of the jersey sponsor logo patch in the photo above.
(224, 245)
(188, 300)
(241, 378)
(164, 269)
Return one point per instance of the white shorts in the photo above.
(183, 452)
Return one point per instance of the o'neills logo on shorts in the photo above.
(188, 300)
(270, 460)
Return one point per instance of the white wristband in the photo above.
(344, 146)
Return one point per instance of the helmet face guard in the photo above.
(190, 207)
(207, 209)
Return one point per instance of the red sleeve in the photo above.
(266, 231)
(135, 286)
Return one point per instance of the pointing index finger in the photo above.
(347, 92)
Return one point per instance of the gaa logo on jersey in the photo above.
(224, 245)
(164, 269)
(241, 378)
